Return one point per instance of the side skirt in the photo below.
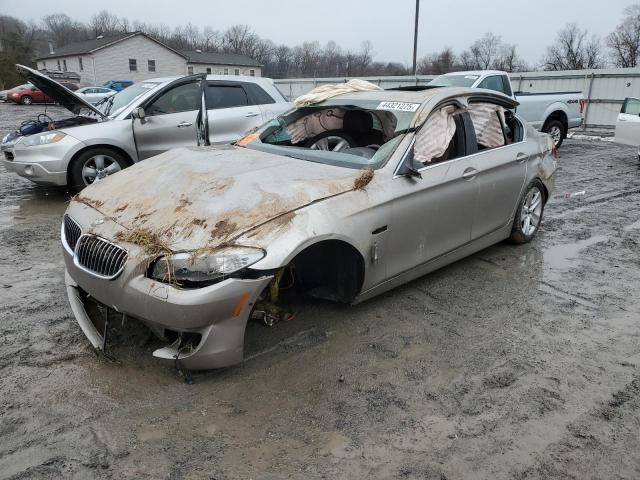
(439, 262)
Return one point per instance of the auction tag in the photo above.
(399, 106)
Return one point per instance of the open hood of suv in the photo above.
(57, 92)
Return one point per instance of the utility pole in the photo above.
(415, 38)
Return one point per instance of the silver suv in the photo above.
(139, 122)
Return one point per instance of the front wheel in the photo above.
(93, 165)
(529, 214)
(26, 100)
(556, 130)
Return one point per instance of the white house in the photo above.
(137, 56)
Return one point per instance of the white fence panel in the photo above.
(604, 90)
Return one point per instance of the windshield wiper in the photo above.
(109, 102)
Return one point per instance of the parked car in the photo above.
(118, 85)
(28, 95)
(552, 113)
(5, 93)
(137, 123)
(628, 123)
(342, 200)
(95, 95)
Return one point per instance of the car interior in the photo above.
(353, 131)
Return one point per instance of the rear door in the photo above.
(628, 123)
(233, 109)
(502, 172)
(169, 121)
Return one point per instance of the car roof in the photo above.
(414, 96)
(476, 72)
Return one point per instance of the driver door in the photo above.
(628, 123)
(433, 215)
(170, 120)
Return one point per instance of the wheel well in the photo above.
(330, 269)
(545, 191)
(559, 115)
(124, 154)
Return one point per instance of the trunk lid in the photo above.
(59, 93)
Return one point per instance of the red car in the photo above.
(27, 96)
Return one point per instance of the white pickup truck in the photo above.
(552, 113)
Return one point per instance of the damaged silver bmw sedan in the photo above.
(344, 197)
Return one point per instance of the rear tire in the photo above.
(26, 100)
(557, 131)
(529, 214)
(95, 163)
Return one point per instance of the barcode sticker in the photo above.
(399, 106)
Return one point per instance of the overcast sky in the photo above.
(387, 24)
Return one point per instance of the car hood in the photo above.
(205, 197)
(57, 91)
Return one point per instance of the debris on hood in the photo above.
(361, 182)
(324, 92)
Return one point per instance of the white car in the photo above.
(95, 95)
(628, 123)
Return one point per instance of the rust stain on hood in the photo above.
(193, 198)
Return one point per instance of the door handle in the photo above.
(252, 114)
(184, 124)
(622, 119)
(522, 157)
(469, 173)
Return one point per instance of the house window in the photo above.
(236, 71)
(252, 73)
(59, 65)
(133, 65)
(80, 64)
(64, 65)
(208, 70)
(226, 71)
(151, 65)
(44, 64)
(190, 69)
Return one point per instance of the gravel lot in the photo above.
(518, 362)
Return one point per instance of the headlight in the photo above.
(195, 267)
(42, 139)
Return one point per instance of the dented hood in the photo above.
(208, 196)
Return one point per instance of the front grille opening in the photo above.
(100, 257)
(72, 232)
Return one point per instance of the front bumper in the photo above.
(218, 313)
(43, 164)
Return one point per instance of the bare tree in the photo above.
(63, 29)
(573, 49)
(624, 42)
(104, 23)
(438, 63)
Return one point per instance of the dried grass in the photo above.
(365, 177)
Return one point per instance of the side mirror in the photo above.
(407, 169)
(139, 113)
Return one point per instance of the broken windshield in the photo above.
(341, 132)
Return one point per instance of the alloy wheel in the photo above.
(531, 211)
(556, 134)
(98, 167)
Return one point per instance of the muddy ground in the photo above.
(519, 362)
